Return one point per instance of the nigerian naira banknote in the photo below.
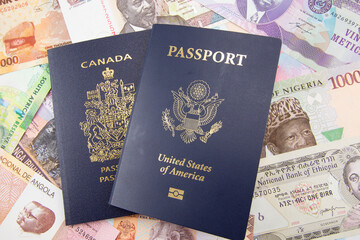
(313, 109)
(21, 94)
(310, 193)
(320, 34)
(28, 29)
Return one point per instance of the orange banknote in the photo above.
(28, 29)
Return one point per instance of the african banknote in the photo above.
(22, 188)
(37, 148)
(320, 34)
(86, 20)
(14, 176)
(28, 29)
(98, 230)
(142, 227)
(309, 193)
(347, 235)
(37, 214)
(21, 94)
(94, 19)
(329, 98)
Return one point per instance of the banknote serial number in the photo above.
(12, 7)
(266, 192)
(346, 79)
(344, 19)
(9, 61)
(85, 235)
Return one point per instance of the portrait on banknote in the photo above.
(261, 11)
(35, 218)
(37, 213)
(319, 188)
(288, 127)
(141, 15)
(351, 175)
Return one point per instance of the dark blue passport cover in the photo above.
(194, 140)
(91, 107)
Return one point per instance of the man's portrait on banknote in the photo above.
(288, 127)
(164, 230)
(351, 175)
(141, 15)
(262, 11)
(35, 218)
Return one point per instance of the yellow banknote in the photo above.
(28, 29)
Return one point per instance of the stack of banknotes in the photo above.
(307, 185)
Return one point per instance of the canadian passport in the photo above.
(93, 86)
(195, 136)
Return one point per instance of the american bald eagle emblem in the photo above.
(193, 109)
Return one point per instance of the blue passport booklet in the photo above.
(194, 139)
(93, 86)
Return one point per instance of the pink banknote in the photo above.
(320, 34)
(98, 230)
(14, 176)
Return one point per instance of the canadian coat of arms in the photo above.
(107, 117)
(193, 109)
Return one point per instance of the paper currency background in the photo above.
(28, 29)
(300, 191)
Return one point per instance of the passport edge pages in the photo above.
(93, 86)
(168, 168)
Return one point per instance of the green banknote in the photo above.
(21, 94)
(313, 109)
(310, 193)
(308, 183)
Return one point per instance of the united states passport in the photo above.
(94, 84)
(195, 136)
